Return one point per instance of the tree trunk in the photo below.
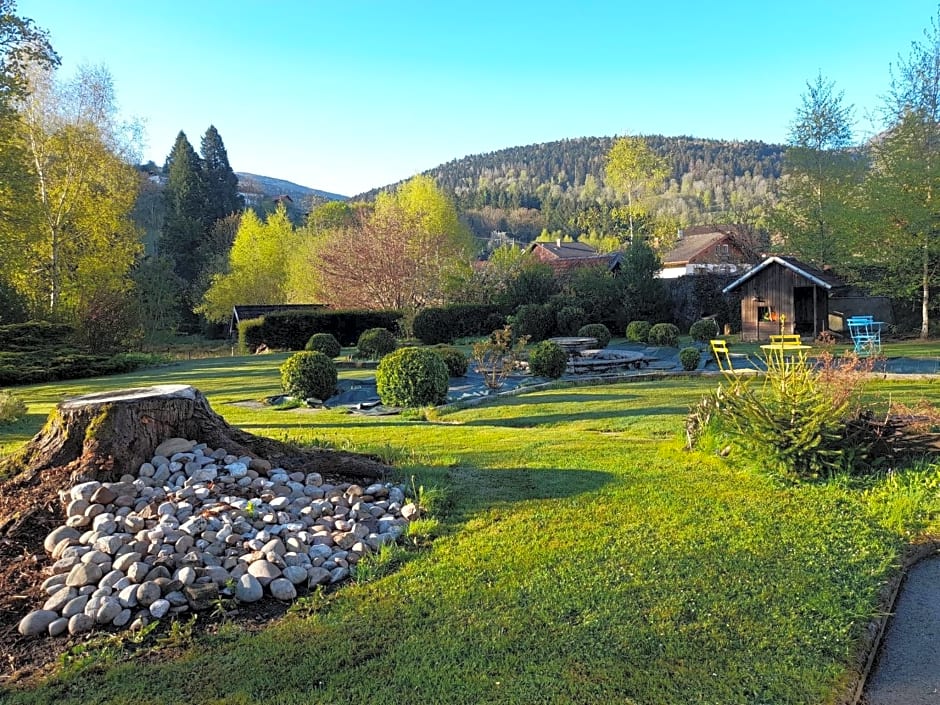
(106, 435)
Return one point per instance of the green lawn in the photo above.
(582, 557)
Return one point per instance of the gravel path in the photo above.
(907, 671)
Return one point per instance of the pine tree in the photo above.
(184, 225)
(222, 197)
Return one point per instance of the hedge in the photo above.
(290, 330)
(34, 335)
(444, 324)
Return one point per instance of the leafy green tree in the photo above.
(905, 180)
(79, 239)
(257, 271)
(822, 173)
(185, 199)
(157, 296)
(644, 295)
(635, 171)
(221, 183)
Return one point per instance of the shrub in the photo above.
(444, 324)
(534, 321)
(33, 335)
(664, 335)
(454, 359)
(569, 319)
(598, 331)
(704, 330)
(412, 377)
(548, 359)
(376, 343)
(249, 334)
(496, 357)
(309, 374)
(638, 331)
(325, 343)
(689, 357)
(12, 409)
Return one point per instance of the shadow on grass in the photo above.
(475, 489)
(551, 419)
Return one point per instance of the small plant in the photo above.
(569, 319)
(376, 343)
(379, 564)
(496, 357)
(412, 377)
(455, 360)
(638, 331)
(704, 330)
(12, 408)
(689, 358)
(427, 499)
(325, 343)
(309, 374)
(598, 331)
(420, 531)
(548, 359)
(664, 335)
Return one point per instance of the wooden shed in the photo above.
(784, 295)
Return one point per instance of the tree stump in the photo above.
(103, 436)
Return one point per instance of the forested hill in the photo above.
(551, 184)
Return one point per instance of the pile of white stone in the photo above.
(196, 525)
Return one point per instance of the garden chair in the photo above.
(866, 334)
(722, 355)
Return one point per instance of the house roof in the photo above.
(565, 250)
(696, 240)
(819, 277)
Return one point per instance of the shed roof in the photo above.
(819, 277)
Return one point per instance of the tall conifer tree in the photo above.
(184, 225)
(222, 197)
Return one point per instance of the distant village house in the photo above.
(724, 249)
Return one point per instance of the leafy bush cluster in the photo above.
(249, 334)
(325, 343)
(290, 330)
(689, 358)
(445, 324)
(412, 377)
(309, 374)
(638, 331)
(12, 409)
(704, 330)
(664, 335)
(548, 359)
(375, 343)
(454, 359)
(569, 319)
(534, 321)
(598, 331)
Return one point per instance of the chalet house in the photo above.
(566, 256)
(725, 249)
(784, 295)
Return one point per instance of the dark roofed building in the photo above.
(784, 295)
(722, 249)
(565, 256)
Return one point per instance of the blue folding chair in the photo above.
(866, 334)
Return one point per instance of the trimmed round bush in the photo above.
(596, 330)
(704, 330)
(376, 343)
(309, 374)
(412, 377)
(638, 331)
(548, 359)
(533, 320)
(569, 319)
(664, 335)
(689, 358)
(325, 343)
(455, 360)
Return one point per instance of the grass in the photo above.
(579, 556)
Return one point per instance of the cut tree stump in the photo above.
(106, 435)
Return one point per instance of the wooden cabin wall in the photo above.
(775, 286)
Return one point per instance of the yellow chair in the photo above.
(721, 355)
(785, 340)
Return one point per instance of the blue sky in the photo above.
(346, 95)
